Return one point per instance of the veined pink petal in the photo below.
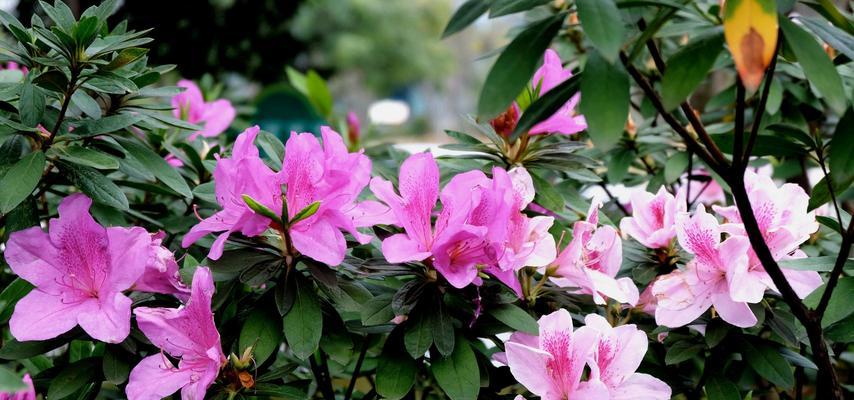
(642, 387)
(155, 378)
(110, 321)
(400, 248)
(42, 316)
(320, 241)
(736, 313)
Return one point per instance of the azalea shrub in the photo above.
(653, 201)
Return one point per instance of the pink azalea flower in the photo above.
(564, 121)
(592, 260)
(214, 117)
(529, 243)
(188, 333)
(706, 192)
(79, 271)
(354, 128)
(470, 231)
(551, 365)
(311, 173)
(243, 173)
(652, 218)
(161, 272)
(25, 394)
(615, 359)
(710, 278)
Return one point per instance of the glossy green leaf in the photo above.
(304, 322)
(377, 311)
(20, 180)
(605, 103)
(95, 185)
(458, 375)
(506, 7)
(158, 166)
(84, 156)
(10, 382)
(603, 24)
(396, 372)
(31, 104)
(306, 212)
(720, 388)
(547, 105)
(841, 151)
(465, 15)
(116, 365)
(73, 377)
(10, 295)
(515, 318)
(516, 65)
(817, 66)
(675, 166)
(688, 68)
(767, 362)
(263, 331)
(418, 337)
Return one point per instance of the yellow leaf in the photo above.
(750, 28)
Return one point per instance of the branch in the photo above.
(847, 237)
(686, 108)
(357, 368)
(738, 142)
(650, 93)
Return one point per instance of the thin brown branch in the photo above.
(650, 93)
(760, 108)
(738, 141)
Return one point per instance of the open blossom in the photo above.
(161, 272)
(711, 278)
(79, 270)
(214, 117)
(29, 393)
(472, 228)
(617, 356)
(591, 261)
(187, 333)
(653, 216)
(548, 76)
(311, 173)
(551, 365)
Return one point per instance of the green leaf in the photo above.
(506, 7)
(688, 68)
(443, 329)
(465, 16)
(125, 57)
(20, 180)
(95, 185)
(817, 66)
(110, 124)
(546, 195)
(835, 37)
(603, 24)
(272, 146)
(418, 337)
(10, 382)
(682, 351)
(547, 105)
(767, 362)
(396, 372)
(514, 67)
(260, 209)
(157, 165)
(116, 365)
(304, 322)
(306, 212)
(839, 306)
(73, 377)
(720, 388)
(15, 291)
(842, 148)
(31, 104)
(605, 103)
(820, 264)
(821, 191)
(84, 156)
(675, 166)
(619, 164)
(263, 331)
(515, 318)
(52, 80)
(86, 104)
(377, 311)
(86, 30)
(458, 375)
(318, 93)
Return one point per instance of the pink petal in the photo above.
(190, 99)
(320, 241)
(641, 387)
(217, 117)
(528, 366)
(129, 252)
(42, 316)
(155, 378)
(400, 249)
(110, 321)
(31, 256)
(736, 313)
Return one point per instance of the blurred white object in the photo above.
(9, 6)
(388, 112)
